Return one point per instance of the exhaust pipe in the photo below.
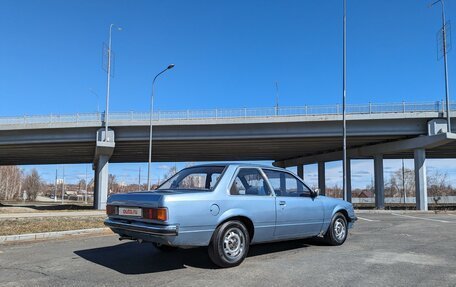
(129, 238)
(125, 238)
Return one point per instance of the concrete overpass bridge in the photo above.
(290, 136)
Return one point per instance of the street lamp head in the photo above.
(170, 66)
(119, 28)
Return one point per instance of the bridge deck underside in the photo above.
(273, 141)
(198, 150)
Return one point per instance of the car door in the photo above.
(298, 214)
(251, 194)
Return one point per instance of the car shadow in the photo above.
(134, 258)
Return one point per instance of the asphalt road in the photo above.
(382, 250)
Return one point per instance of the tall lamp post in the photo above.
(444, 50)
(344, 95)
(109, 80)
(151, 118)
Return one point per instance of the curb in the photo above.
(401, 211)
(49, 235)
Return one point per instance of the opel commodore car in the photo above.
(228, 207)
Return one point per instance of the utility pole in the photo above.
(344, 95)
(403, 182)
(445, 64)
(85, 197)
(63, 183)
(139, 179)
(55, 186)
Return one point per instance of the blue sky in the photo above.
(227, 54)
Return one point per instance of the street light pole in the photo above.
(344, 95)
(444, 49)
(151, 118)
(108, 81)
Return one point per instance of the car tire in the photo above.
(229, 244)
(337, 231)
(164, 247)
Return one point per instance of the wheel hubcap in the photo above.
(233, 243)
(339, 229)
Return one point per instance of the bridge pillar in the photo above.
(420, 179)
(349, 181)
(379, 182)
(103, 152)
(322, 177)
(300, 169)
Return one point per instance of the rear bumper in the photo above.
(137, 227)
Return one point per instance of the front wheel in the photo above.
(337, 230)
(229, 244)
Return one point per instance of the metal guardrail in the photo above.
(371, 108)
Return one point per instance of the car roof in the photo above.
(238, 164)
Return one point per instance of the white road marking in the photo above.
(422, 218)
(362, 218)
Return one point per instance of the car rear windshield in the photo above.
(195, 178)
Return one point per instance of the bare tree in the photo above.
(113, 185)
(32, 184)
(401, 185)
(438, 184)
(81, 184)
(10, 182)
(171, 171)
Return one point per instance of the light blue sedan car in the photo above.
(227, 207)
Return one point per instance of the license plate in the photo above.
(128, 211)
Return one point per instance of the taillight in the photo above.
(156, 213)
(110, 210)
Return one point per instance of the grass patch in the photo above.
(48, 224)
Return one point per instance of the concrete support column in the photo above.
(379, 182)
(300, 170)
(420, 179)
(349, 182)
(103, 152)
(321, 178)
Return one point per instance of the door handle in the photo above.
(282, 203)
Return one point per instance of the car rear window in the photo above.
(195, 178)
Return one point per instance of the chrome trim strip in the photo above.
(163, 230)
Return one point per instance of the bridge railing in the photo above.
(371, 108)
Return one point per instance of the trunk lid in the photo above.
(146, 198)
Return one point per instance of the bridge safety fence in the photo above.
(234, 113)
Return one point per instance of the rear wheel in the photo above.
(337, 230)
(164, 247)
(229, 244)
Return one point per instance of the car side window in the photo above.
(286, 184)
(214, 179)
(249, 181)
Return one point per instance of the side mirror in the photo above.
(316, 192)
